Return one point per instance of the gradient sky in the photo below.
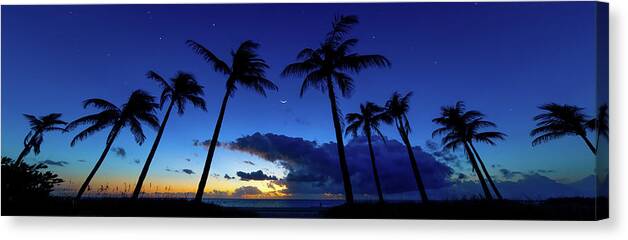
(503, 59)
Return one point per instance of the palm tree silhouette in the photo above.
(367, 120)
(327, 66)
(246, 69)
(140, 107)
(559, 121)
(462, 127)
(35, 136)
(599, 124)
(182, 89)
(397, 108)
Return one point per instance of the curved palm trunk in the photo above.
(339, 143)
(589, 144)
(474, 164)
(380, 194)
(114, 133)
(149, 159)
(24, 152)
(415, 166)
(210, 152)
(488, 176)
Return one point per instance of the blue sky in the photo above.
(503, 59)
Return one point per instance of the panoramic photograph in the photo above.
(329, 110)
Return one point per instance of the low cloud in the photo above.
(81, 160)
(255, 176)
(246, 191)
(55, 163)
(120, 152)
(249, 162)
(136, 161)
(228, 177)
(312, 168)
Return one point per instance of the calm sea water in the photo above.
(274, 203)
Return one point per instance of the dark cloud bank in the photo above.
(313, 168)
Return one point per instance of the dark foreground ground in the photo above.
(553, 209)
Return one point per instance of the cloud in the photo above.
(188, 160)
(81, 160)
(313, 168)
(136, 161)
(255, 176)
(204, 143)
(55, 163)
(120, 152)
(215, 175)
(246, 190)
(185, 170)
(228, 177)
(249, 162)
(507, 174)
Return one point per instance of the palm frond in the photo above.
(217, 64)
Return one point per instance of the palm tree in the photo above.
(462, 127)
(247, 70)
(329, 65)
(35, 136)
(367, 120)
(599, 124)
(397, 108)
(559, 121)
(182, 89)
(140, 107)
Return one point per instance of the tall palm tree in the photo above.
(463, 127)
(599, 124)
(140, 107)
(329, 66)
(182, 89)
(367, 121)
(247, 69)
(35, 136)
(558, 121)
(397, 108)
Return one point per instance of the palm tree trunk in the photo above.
(487, 192)
(24, 152)
(212, 147)
(339, 143)
(488, 176)
(415, 166)
(98, 163)
(380, 194)
(149, 159)
(589, 144)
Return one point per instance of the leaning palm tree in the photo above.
(182, 89)
(35, 136)
(397, 108)
(140, 107)
(599, 124)
(329, 66)
(470, 123)
(367, 121)
(558, 121)
(247, 69)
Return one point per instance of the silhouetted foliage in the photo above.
(247, 69)
(140, 107)
(599, 124)
(368, 120)
(397, 108)
(38, 126)
(182, 89)
(328, 66)
(558, 121)
(26, 182)
(461, 128)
